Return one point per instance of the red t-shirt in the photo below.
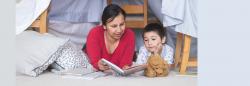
(96, 49)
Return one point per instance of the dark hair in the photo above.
(158, 28)
(110, 12)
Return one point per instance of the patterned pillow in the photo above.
(72, 58)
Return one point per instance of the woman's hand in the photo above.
(125, 67)
(102, 66)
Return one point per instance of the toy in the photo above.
(156, 67)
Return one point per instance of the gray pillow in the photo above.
(35, 52)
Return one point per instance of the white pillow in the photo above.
(36, 51)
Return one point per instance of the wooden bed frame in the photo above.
(41, 22)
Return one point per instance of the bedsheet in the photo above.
(182, 14)
(50, 79)
(28, 11)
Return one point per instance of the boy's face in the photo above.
(153, 41)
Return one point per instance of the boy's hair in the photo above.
(158, 28)
(110, 12)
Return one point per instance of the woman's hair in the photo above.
(110, 12)
(155, 27)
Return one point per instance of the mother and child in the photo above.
(116, 43)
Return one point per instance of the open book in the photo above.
(122, 72)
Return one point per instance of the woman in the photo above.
(111, 40)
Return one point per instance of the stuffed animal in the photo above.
(156, 67)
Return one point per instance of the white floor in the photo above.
(50, 79)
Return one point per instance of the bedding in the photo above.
(72, 58)
(50, 79)
(182, 14)
(35, 52)
(27, 11)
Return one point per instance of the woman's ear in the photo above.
(163, 40)
(104, 27)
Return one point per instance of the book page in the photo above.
(134, 69)
(113, 66)
(125, 72)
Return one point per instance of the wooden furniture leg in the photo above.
(183, 43)
(185, 54)
(43, 22)
(178, 49)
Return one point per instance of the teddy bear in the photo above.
(156, 66)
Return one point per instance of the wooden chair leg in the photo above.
(43, 22)
(185, 54)
(179, 40)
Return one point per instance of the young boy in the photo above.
(154, 40)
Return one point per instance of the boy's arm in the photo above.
(169, 55)
(142, 56)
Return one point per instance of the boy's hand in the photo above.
(158, 49)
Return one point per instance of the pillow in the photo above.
(72, 58)
(35, 52)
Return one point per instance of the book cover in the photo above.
(124, 72)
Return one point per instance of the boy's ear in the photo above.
(163, 40)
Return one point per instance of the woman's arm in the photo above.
(93, 48)
(129, 50)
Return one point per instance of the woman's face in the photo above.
(153, 41)
(115, 28)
